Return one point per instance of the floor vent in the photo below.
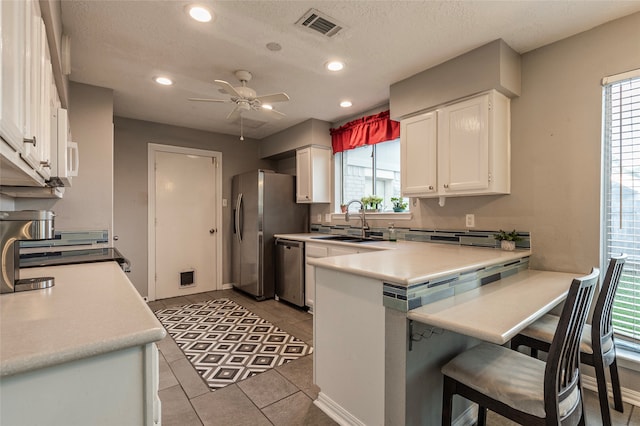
(187, 278)
(318, 21)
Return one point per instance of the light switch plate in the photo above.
(319, 217)
(327, 217)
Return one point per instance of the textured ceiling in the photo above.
(122, 44)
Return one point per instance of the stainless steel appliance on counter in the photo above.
(290, 271)
(264, 205)
(16, 226)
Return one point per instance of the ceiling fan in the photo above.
(245, 99)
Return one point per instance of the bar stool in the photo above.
(597, 347)
(521, 388)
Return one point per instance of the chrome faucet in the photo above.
(18, 226)
(363, 219)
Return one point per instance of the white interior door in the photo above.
(185, 224)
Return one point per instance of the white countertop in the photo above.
(410, 262)
(92, 309)
(498, 311)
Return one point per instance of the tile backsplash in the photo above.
(464, 237)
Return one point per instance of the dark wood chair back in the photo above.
(602, 327)
(562, 371)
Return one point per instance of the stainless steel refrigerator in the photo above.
(264, 205)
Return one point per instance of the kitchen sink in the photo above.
(345, 238)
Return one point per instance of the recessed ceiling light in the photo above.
(267, 106)
(199, 13)
(165, 81)
(334, 65)
(345, 104)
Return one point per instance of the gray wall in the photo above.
(492, 66)
(308, 132)
(130, 182)
(555, 151)
(88, 203)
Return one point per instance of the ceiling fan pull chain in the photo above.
(241, 133)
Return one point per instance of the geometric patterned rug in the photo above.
(227, 343)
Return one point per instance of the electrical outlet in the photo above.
(327, 217)
(471, 220)
(319, 217)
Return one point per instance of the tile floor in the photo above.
(281, 396)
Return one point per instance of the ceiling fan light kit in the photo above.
(246, 99)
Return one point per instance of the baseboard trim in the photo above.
(227, 286)
(628, 395)
(336, 412)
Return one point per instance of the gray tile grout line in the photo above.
(261, 409)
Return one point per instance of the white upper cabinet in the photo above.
(13, 30)
(466, 153)
(418, 152)
(29, 97)
(41, 92)
(313, 175)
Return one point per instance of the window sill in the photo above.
(378, 216)
(628, 354)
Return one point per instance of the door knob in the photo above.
(212, 231)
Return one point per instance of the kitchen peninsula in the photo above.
(80, 352)
(386, 320)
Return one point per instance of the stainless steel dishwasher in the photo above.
(290, 271)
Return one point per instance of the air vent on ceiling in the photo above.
(318, 21)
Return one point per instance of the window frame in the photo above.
(628, 340)
(339, 196)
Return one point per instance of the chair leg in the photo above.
(603, 397)
(447, 399)
(615, 384)
(482, 416)
(583, 411)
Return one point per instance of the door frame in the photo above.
(152, 149)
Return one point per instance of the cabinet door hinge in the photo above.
(490, 177)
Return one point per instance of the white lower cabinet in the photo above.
(318, 250)
(116, 388)
(349, 348)
(459, 149)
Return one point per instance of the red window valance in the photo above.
(365, 131)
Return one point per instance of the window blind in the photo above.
(622, 194)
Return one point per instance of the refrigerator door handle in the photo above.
(238, 218)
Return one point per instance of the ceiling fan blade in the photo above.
(272, 113)
(234, 114)
(274, 97)
(228, 88)
(208, 100)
